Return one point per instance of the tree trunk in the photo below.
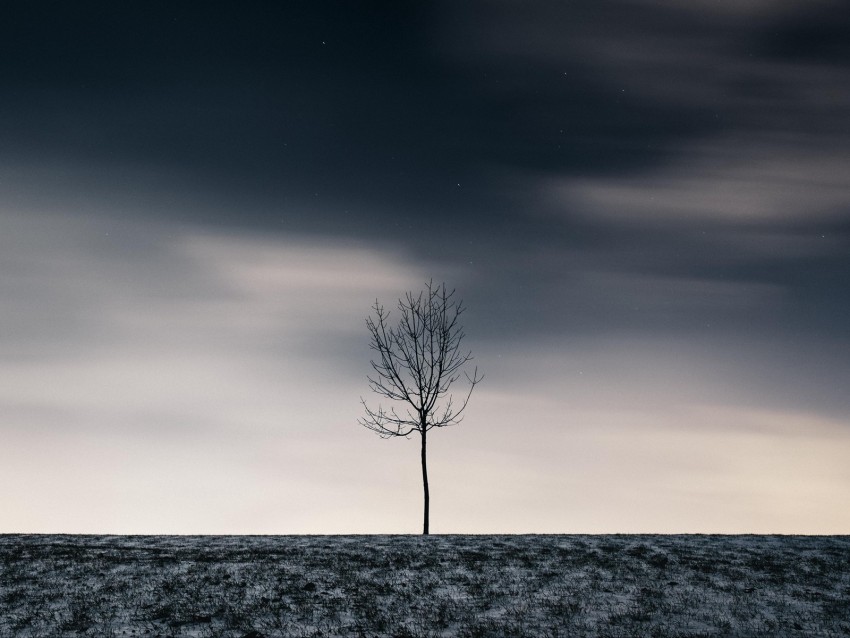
(425, 484)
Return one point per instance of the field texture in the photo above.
(406, 586)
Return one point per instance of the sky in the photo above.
(644, 204)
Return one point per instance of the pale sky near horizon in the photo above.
(645, 207)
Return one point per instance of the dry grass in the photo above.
(409, 586)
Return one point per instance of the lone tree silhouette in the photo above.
(416, 364)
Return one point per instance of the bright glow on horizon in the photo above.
(223, 399)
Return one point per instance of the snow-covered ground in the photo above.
(409, 586)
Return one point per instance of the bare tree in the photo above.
(416, 364)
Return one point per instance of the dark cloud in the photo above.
(439, 128)
(346, 103)
(815, 32)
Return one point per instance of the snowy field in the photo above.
(406, 586)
